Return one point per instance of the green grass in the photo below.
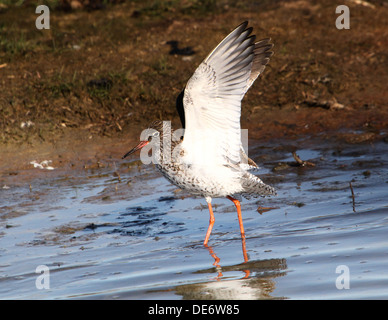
(12, 2)
(160, 8)
(18, 3)
(53, 4)
(15, 43)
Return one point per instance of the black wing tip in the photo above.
(264, 44)
(245, 24)
(243, 27)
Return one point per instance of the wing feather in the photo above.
(212, 97)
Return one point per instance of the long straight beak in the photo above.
(138, 147)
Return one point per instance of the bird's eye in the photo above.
(154, 135)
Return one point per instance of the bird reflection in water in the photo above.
(217, 259)
(256, 283)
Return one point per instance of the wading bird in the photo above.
(209, 159)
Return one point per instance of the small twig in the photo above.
(301, 162)
(118, 126)
(297, 159)
(117, 175)
(353, 200)
(261, 210)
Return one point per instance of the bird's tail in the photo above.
(254, 187)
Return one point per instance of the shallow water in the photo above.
(134, 236)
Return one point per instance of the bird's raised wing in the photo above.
(261, 55)
(212, 97)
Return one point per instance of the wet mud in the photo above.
(123, 232)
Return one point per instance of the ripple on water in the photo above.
(139, 238)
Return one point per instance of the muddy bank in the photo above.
(90, 84)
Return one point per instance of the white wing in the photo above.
(212, 97)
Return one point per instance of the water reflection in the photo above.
(255, 280)
(217, 260)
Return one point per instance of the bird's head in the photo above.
(155, 130)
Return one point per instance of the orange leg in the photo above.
(211, 223)
(240, 221)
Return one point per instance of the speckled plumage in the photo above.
(188, 176)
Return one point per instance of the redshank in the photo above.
(209, 160)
